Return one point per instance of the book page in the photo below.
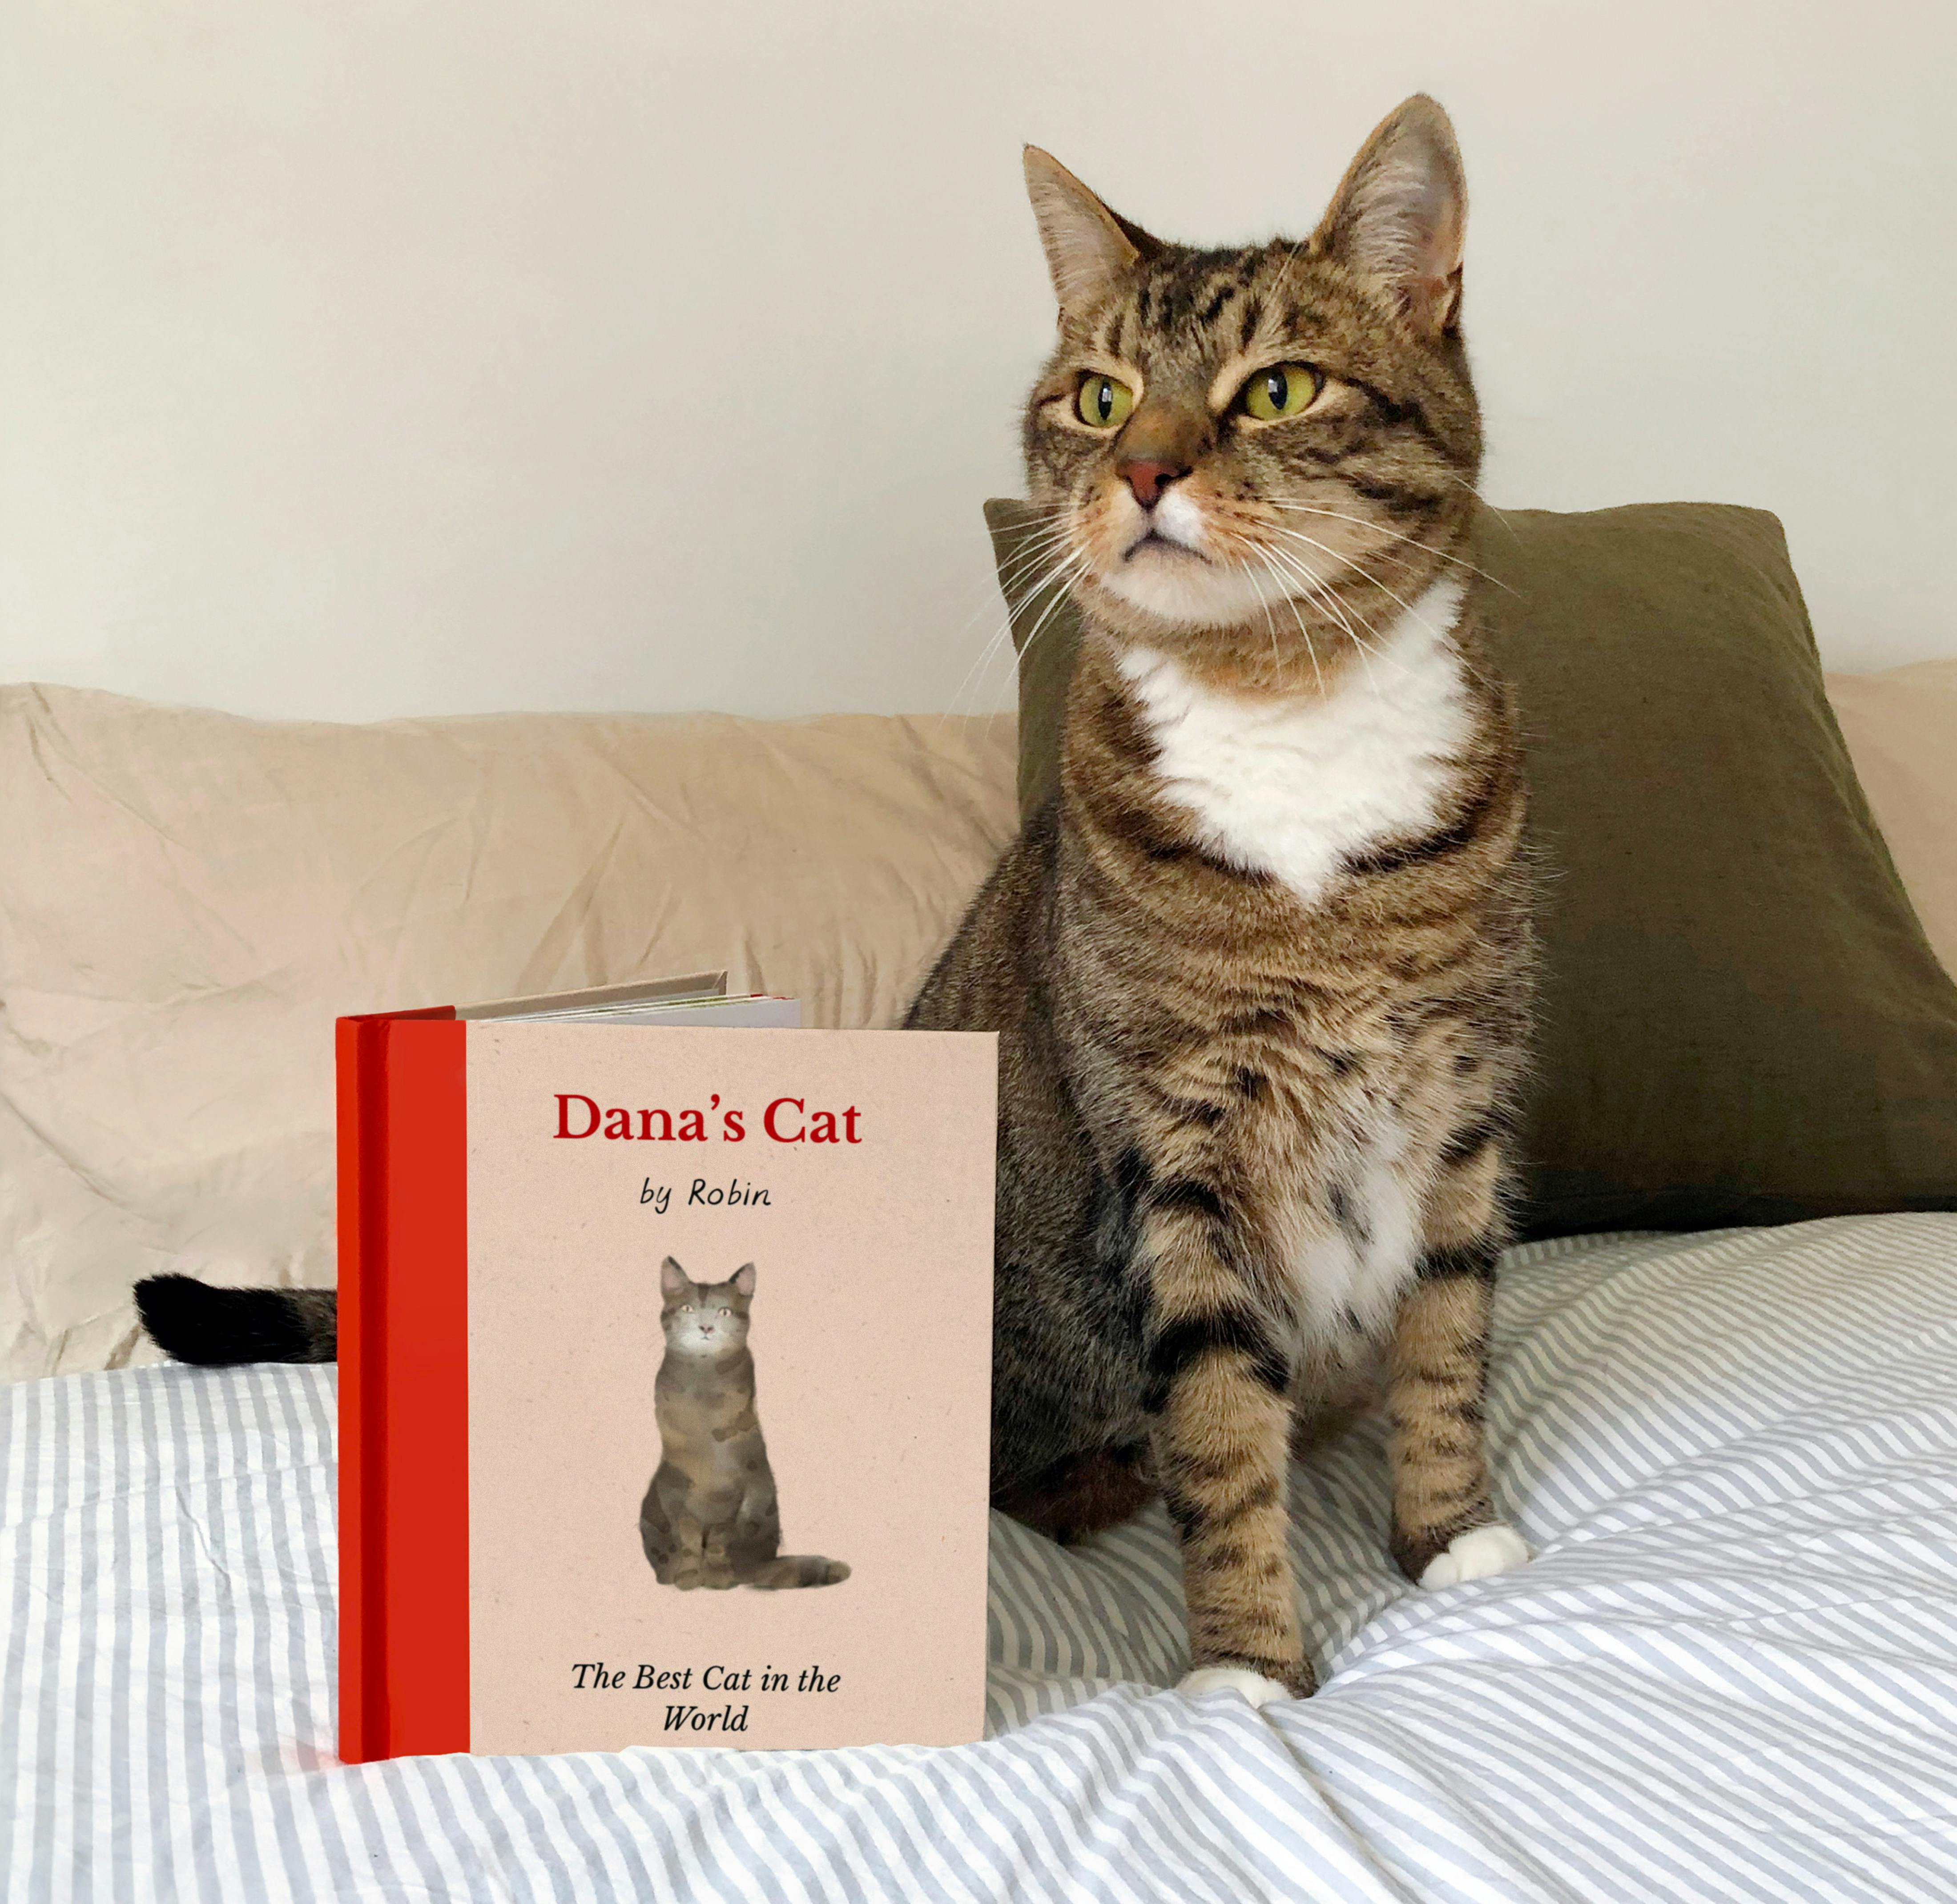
(853, 1171)
(691, 985)
(752, 1009)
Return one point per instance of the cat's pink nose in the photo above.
(1148, 477)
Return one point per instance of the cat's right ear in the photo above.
(1088, 245)
(673, 1279)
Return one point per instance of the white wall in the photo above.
(361, 357)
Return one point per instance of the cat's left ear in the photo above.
(673, 1279)
(744, 1279)
(1400, 214)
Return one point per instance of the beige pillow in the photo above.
(191, 898)
(1901, 731)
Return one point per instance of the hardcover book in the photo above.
(665, 1349)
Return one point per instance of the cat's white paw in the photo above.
(1476, 1554)
(1254, 1686)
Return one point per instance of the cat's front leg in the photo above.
(1446, 1529)
(715, 1568)
(1219, 1383)
(689, 1552)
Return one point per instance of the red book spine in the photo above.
(404, 1227)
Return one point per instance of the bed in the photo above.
(1731, 1673)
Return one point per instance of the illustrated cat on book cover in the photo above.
(710, 1517)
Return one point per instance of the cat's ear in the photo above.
(673, 1279)
(1400, 214)
(744, 1279)
(1088, 246)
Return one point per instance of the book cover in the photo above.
(665, 1363)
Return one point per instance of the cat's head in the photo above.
(705, 1318)
(1246, 444)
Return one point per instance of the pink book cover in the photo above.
(666, 1407)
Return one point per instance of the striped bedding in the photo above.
(1731, 1673)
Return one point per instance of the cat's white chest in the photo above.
(1291, 788)
(1353, 1277)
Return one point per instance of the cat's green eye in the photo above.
(1103, 401)
(1284, 390)
(723, 1312)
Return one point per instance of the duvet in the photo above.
(1731, 1673)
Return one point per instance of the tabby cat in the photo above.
(1261, 970)
(710, 1518)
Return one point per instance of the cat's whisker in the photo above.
(1348, 612)
(1285, 595)
(1466, 660)
(1055, 576)
(1058, 579)
(1332, 554)
(1059, 564)
(974, 674)
(1405, 607)
(1377, 646)
(1030, 552)
(1474, 489)
(1029, 588)
(1296, 616)
(1046, 527)
(1026, 585)
(1021, 562)
(1359, 522)
(1468, 664)
(1249, 575)
(1317, 591)
(1074, 565)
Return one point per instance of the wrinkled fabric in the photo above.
(187, 899)
(1731, 1673)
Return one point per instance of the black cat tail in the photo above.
(800, 1569)
(197, 1322)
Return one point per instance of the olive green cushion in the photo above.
(1741, 1021)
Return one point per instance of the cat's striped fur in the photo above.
(1261, 971)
